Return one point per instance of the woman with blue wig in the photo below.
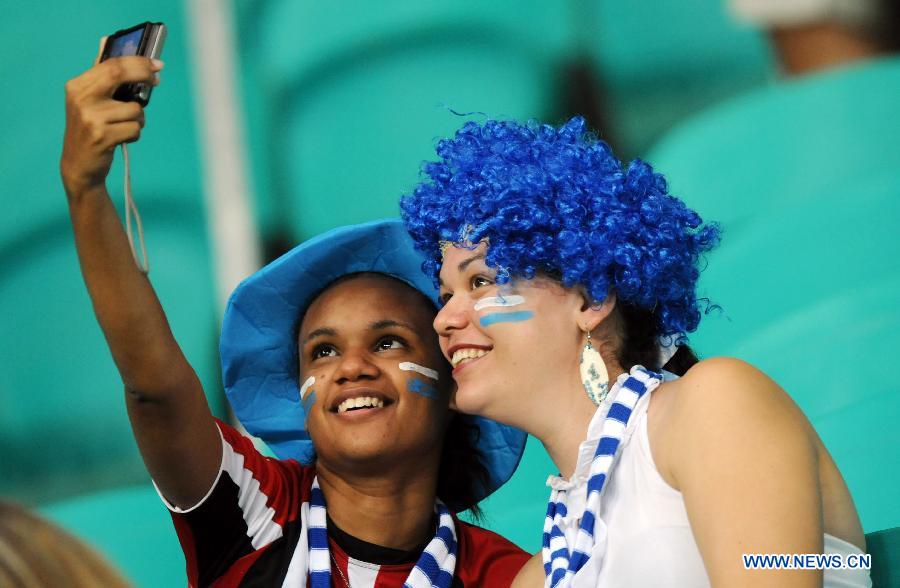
(568, 285)
(328, 356)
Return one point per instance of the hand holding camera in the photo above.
(97, 116)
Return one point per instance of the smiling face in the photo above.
(513, 347)
(368, 359)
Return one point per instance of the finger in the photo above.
(100, 50)
(123, 132)
(115, 112)
(133, 68)
(106, 77)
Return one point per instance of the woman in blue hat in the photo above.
(568, 283)
(329, 356)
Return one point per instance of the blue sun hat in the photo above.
(259, 349)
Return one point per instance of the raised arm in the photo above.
(171, 421)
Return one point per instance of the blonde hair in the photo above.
(36, 553)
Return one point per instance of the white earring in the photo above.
(594, 376)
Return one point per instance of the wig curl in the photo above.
(555, 200)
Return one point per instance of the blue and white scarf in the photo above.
(561, 560)
(434, 569)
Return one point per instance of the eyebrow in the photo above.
(464, 264)
(321, 332)
(375, 326)
(388, 323)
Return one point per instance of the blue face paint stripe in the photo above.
(308, 401)
(505, 317)
(421, 388)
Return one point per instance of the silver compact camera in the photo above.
(146, 40)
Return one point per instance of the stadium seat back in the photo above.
(63, 425)
(356, 100)
(164, 161)
(785, 144)
(884, 546)
(132, 528)
(693, 55)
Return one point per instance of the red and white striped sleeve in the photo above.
(252, 508)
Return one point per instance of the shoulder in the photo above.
(726, 386)
(728, 407)
(719, 370)
(246, 464)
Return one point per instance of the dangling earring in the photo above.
(594, 376)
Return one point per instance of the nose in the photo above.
(355, 366)
(452, 317)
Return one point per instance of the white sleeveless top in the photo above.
(648, 536)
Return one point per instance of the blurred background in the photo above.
(278, 120)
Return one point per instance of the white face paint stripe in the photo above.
(511, 300)
(309, 382)
(408, 366)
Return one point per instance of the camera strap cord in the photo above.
(131, 208)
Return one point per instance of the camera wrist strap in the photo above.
(131, 208)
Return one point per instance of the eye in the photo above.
(479, 281)
(324, 350)
(444, 298)
(390, 342)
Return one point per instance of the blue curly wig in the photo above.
(556, 200)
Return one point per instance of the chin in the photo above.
(363, 458)
(473, 399)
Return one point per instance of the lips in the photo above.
(463, 354)
(359, 400)
(358, 403)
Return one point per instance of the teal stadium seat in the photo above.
(356, 98)
(63, 427)
(165, 162)
(785, 143)
(517, 509)
(884, 546)
(808, 293)
(338, 96)
(659, 61)
(132, 528)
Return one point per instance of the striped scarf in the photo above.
(434, 569)
(562, 561)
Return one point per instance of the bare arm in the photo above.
(532, 573)
(171, 421)
(741, 453)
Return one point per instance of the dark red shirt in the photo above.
(248, 531)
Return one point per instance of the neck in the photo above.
(576, 410)
(389, 510)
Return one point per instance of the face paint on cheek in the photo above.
(306, 386)
(505, 317)
(307, 400)
(422, 388)
(408, 366)
(502, 301)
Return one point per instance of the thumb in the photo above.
(100, 50)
